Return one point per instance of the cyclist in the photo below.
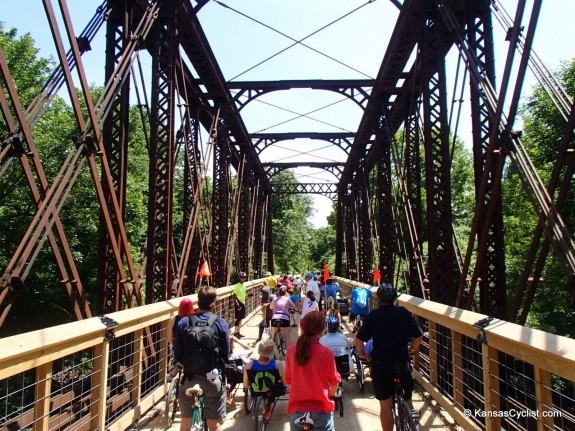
(211, 382)
(185, 308)
(266, 350)
(335, 341)
(359, 304)
(281, 317)
(312, 374)
(307, 305)
(391, 328)
(331, 289)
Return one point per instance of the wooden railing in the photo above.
(106, 372)
(491, 374)
(101, 373)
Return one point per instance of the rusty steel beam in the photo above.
(342, 140)
(355, 90)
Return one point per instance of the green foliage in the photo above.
(553, 306)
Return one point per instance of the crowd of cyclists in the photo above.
(386, 337)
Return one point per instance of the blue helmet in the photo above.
(308, 274)
(332, 324)
(386, 293)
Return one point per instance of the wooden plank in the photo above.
(461, 420)
(42, 397)
(137, 358)
(544, 397)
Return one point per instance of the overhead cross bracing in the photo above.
(371, 124)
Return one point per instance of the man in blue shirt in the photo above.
(359, 305)
(331, 290)
(212, 383)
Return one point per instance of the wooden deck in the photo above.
(361, 410)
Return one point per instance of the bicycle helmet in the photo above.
(386, 293)
(332, 324)
(281, 289)
(242, 275)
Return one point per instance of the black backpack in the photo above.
(200, 346)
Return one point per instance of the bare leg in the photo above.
(213, 424)
(386, 414)
(185, 424)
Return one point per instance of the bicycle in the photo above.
(174, 378)
(359, 370)
(199, 422)
(262, 401)
(403, 415)
(342, 365)
(280, 341)
(357, 322)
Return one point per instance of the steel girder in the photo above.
(341, 140)
(339, 234)
(364, 236)
(244, 224)
(159, 264)
(412, 205)
(386, 233)
(326, 189)
(194, 248)
(273, 169)
(221, 206)
(441, 261)
(268, 242)
(20, 144)
(492, 284)
(115, 141)
(355, 90)
(351, 228)
(259, 235)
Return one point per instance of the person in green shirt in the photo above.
(240, 302)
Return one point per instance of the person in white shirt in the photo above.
(308, 304)
(312, 285)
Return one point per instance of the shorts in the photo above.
(335, 303)
(352, 316)
(382, 378)
(240, 310)
(283, 323)
(214, 397)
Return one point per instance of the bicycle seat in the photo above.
(305, 419)
(194, 390)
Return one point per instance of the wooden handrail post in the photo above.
(137, 360)
(100, 386)
(42, 397)
(433, 364)
(543, 393)
(457, 368)
(491, 391)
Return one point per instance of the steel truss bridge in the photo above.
(393, 196)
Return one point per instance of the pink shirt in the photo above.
(310, 383)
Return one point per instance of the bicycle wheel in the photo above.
(404, 419)
(359, 373)
(340, 402)
(172, 401)
(260, 414)
(198, 417)
(248, 401)
(283, 345)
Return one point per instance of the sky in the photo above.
(345, 39)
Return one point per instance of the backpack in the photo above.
(200, 346)
(361, 299)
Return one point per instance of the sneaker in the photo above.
(415, 416)
(238, 335)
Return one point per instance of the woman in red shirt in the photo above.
(311, 372)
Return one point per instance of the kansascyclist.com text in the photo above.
(512, 413)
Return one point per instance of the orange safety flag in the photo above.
(376, 274)
(325, 272)
(205, 270)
